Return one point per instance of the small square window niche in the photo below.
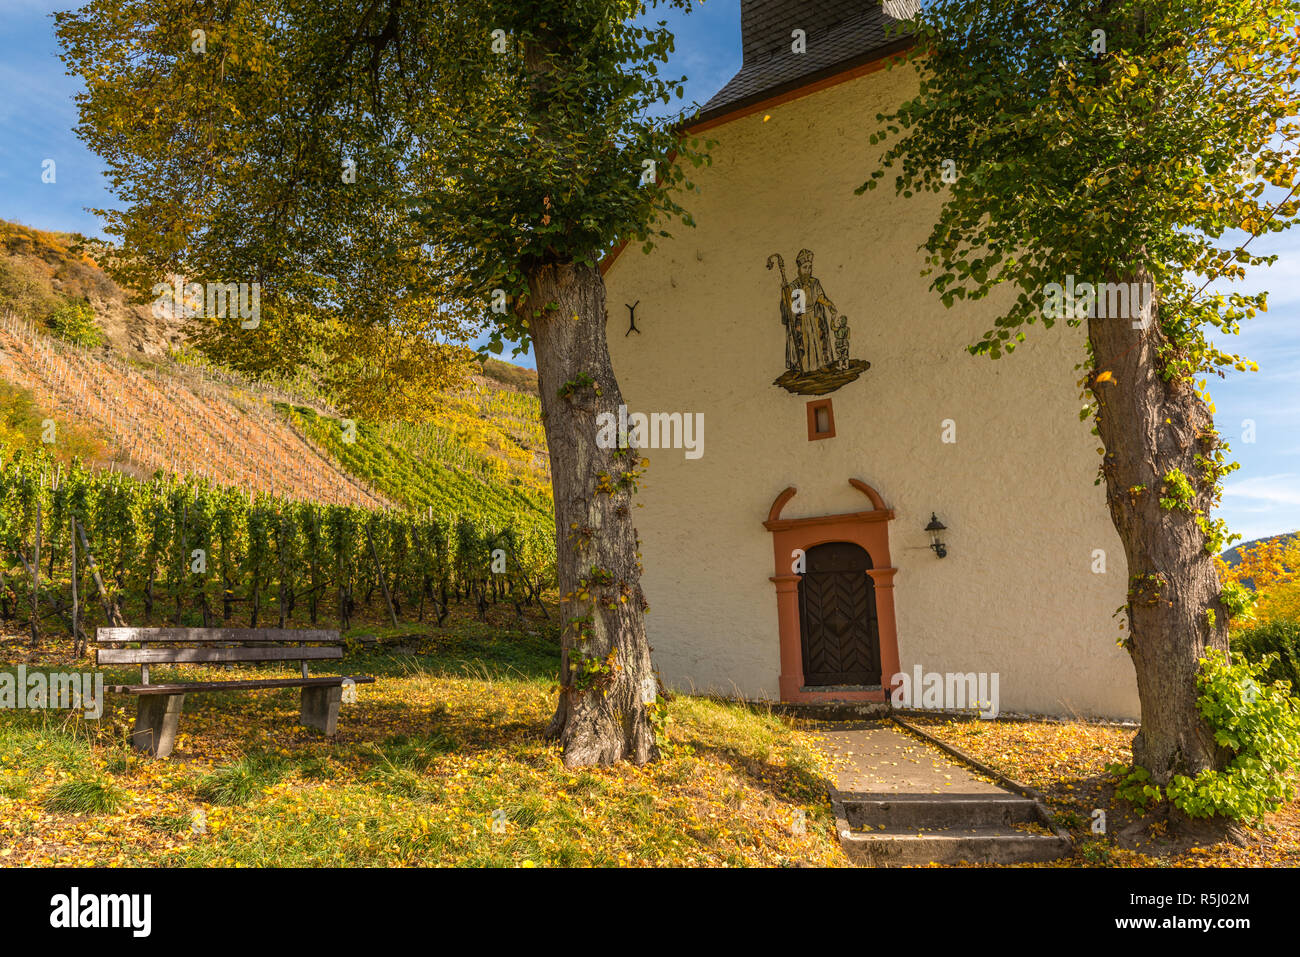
(821, 420)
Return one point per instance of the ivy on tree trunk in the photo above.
(1153, 427)
(606, 678)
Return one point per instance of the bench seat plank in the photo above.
(103, 642)
(168, 656)
(207, 635)
(247, 685)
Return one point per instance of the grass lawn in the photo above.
(445, 743)
(441, 762)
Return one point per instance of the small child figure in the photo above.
(840, 325)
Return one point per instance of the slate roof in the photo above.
(841, 34)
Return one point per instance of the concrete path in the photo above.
(880, 759)
(900, 800)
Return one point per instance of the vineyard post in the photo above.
(534, 593)
(374, 555)
(315, 578)
(279, 548)
(77, 646)
(111, 612)
(180, 584)
(53, 552)
(36, 575)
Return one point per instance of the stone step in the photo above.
(976, 845)
(955, 811)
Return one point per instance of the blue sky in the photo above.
(37, 115)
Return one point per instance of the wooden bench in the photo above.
(158, 709)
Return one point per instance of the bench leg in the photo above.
(156, 719)
(320, 707)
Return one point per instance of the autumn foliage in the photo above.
(1271, 569)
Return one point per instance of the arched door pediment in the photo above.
(869, 530)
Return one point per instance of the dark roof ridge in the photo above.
(841, 34)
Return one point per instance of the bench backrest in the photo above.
(214, 646)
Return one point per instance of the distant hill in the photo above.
(517, 377)
(128, 395)
(1233, 555)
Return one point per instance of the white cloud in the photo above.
(1282, 489)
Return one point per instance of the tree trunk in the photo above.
(5, 611)
(601, 717)
(1150, 428)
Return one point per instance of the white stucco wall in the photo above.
(1016, 594)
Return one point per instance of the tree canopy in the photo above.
(382, 169)
(1102, 135)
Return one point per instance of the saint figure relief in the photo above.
(807, 315)
(816, 335)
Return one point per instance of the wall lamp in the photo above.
(936, 541)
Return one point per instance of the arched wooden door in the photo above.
(837, 616)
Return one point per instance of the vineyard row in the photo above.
(189, 552)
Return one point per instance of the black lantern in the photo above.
(936, 541)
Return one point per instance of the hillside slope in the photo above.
(436, 466)
(40, 269)
(127, 403)
(163, 419)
